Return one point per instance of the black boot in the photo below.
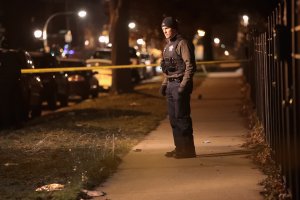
(186, 153)
(173, 153)
(170, 154)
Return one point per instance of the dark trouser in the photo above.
(179, 114)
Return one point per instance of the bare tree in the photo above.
(119, 14)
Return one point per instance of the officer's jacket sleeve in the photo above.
(165, 80)
(185, 50)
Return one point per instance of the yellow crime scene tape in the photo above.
(87, 68)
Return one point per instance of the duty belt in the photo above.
(175, 79)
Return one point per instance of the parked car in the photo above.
(137, 74)
(20, 93)
(102, 57)
(55, 84)
(145, 58)
(82, 83)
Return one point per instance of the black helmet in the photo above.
(169, 22)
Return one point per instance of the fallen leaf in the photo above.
(134, 104)
(10, 164)
(50, 187)
(94, 193)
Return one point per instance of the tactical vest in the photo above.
(172, 63)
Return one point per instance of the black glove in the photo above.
(162, 90)
(180, 90)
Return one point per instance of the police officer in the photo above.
(178, 65)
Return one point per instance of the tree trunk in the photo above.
(121, 79)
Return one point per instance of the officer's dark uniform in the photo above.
(178, 64)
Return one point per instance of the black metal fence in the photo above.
(274, 76)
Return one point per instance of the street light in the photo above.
(81, 14)
(38, 34)
(103, 39)
(140, 41)
(131, 25)
(201, 33)
(216, 41)
(245, 20)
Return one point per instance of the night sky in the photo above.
(218, 16)
(20, 18)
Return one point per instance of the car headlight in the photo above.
(38, 79)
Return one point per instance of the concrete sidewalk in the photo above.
(221, 170)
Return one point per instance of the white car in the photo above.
(102, 57)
